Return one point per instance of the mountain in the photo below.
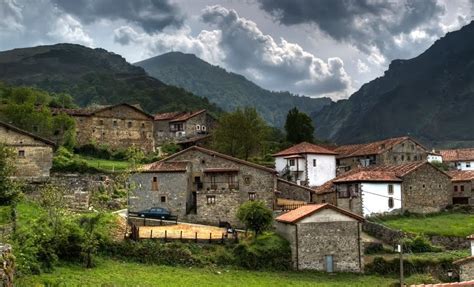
(93, 76)
(227, 90)
(430, 97)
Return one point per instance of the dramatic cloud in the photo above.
(239, 45)
(150, 15)
(390, 28)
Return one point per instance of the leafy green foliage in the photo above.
(9, 189)
(66, 161)
(240, 133)
(298, 127)
(419, 244)
(255, 215)
(267, 251)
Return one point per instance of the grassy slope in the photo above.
(446, 224)
(115, 273)
(104, 164)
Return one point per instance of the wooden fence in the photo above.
(288, 207)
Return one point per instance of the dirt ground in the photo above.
(188, 231)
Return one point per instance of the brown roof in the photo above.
(371, 148)
(221, 155)
(160, 166)
(463, 154)
(18, 130)
(369, 175)
(89, 111)
(304, 148)
(461, 175)
(299, 213)
(452, 284)
(177, 116)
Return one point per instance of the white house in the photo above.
(462, 159)
(306, 164)
(434, 157)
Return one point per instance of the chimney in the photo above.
(471, 238)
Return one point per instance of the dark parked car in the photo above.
(155, 212)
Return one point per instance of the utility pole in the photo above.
(400, 250)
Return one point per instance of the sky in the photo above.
(308, 47)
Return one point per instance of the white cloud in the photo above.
(68, 29)
(362, 67)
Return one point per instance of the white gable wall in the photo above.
(375, 197)
(324, 170)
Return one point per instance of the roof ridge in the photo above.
(22, 131)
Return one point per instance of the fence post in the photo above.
(144, 221)
(222, 240)
(196, 237)
(210, 237)
(181, 235)
(151, 233)
(166, 234)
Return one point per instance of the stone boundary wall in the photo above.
(392, 236)
(7, 267)
(289, 190)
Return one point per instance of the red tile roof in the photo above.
(177, 116)
(369, 175)
(299, 213)
(159, 166)
(371, 148)
(461, 175)
(89, 111)
(304, 148)
(464, 154)
(452, 284)
(166, 116)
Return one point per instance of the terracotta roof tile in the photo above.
(452, 284)
(371, 148)
(160, 166)
(177, 116)
(461, 175)
(299, 213)
(166, 116)
(370, 175)
(464, 154)
(92, 110)
(304, 148)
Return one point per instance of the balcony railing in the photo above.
(219, 185)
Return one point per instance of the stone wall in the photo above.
(34, 158)
(465, 189)
(289, 190)
(288, 231)
(466, 270)
(387, 235)
(327, 197)
(339, 239)
(163, 134)
(118, 128)
(7, 267)
(426, 190)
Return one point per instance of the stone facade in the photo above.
(293, 191)
(117, 127)
(34, 155)
(463, 192)
(466, 268)
(183, 126)
(324, 237)
(212, 187)
(426, 190)
(7, 269)
(386, 152)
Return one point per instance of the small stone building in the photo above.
(416, 187)
(34, 154)
(466, 265)
(202, 185)
(183, 127)
(117, 127)
(463, 186)
(385, 152)
(323, 237)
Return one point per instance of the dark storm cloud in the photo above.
(364, 23)
(151, 15)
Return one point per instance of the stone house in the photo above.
(306, 164)
(323, 237)
(385, 152)
(466, 265)
(416, 187)
(202, 186)
(34, 154)
(462, 159)
(185, 128)
(463, 186)
(117, 127)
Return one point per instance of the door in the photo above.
(329, 264)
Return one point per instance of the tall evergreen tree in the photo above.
(299, 127)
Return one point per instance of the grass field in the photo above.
(115, 273)
(105, 164)
(446, 224)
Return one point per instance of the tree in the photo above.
(90, 242)
(255, 215)
(240, 133)
(299, 127)
(9, 189)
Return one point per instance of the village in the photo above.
(332, 204)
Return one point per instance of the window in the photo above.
(403, 157)
(143, 125)
(424, 186)
(390, 202)
(213, 182)
(314, 162)
(203, 128)
(455, 188)
(21, 153)
(343, 191)
(390, 189)
(462, 187)
(198, 127)
(211, 199)
(468, 164)
(394, 158)
(232, 179)
(252, 196)
(292, 162)
(129, 124)
(163, 199)
(247, 179)
(408, 157)
(412, 147)
(415, 158)
(115, 124)
(154, 183)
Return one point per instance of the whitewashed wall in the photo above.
(465, 165)
(324, 171)
(375, 197)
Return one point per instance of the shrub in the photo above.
(170, 148)
(255, 215)
(373, 248)
(419, 244)
(267, 251)
(65, 161)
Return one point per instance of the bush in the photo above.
(267, 251)
(170, 148)
(373, 248)
(419, 244)
(255, 215)
(65, 161)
